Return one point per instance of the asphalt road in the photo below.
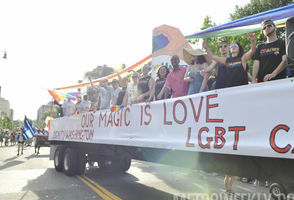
(32, 177)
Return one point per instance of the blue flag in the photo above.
(28, 129)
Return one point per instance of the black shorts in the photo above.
(21, 142)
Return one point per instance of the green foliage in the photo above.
(6, 123)
(98, 72)
(212, 42)
(37, 125)
(258, 6)
(255, 7)
(18, 123)
(44, 116)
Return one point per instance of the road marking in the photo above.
(101, 194)
(113, 196)
(101, 191)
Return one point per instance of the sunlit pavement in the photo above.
(31, 176)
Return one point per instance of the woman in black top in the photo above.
(236, 64)
(159, 83)
(145, 85)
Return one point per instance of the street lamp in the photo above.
(4, 54)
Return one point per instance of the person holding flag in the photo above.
(20, 140)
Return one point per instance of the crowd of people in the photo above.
(15, 137)
(232, 69)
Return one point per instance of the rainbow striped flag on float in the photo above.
(58, 96)
(116, 108)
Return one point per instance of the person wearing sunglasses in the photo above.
(269, 61)
(220, 69)
(236, 65)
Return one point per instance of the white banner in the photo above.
(252, 120)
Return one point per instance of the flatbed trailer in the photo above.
(244, 131)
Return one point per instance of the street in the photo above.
(32, 177)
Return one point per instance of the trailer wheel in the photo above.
(278, 192)
(58, 158)
(104, 163)
(70, 162)
(115, 164)
(81, 163)
(125, 164)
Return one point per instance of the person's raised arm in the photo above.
(211, 56)
(211, 66)
(92, 85)
(252, 50)
(119, 78)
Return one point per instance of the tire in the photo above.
(81, 163)
(70, 162)
(115, 164)
(278, 192)
(125, 164)
(58, 158)
(104, 163)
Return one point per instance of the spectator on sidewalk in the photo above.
(6, 138)
(1, 139)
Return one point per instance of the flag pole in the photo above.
(52, 102)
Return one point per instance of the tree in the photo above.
(45, 115)
(254, 7)
(6, 122)
(99, 71)
(18, 123)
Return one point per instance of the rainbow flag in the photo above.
(116, 108)
(110, 77)
(58, 96)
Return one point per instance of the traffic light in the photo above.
(290, 41)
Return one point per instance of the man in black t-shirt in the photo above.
(270, 57)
